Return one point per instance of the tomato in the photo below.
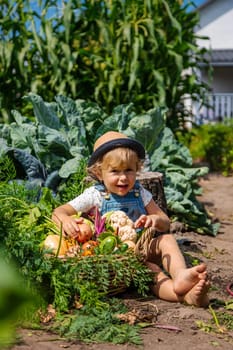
(87, 252)
(108, 244)
(85, 233)
(88, 248)
(86, 229)
(89, 245)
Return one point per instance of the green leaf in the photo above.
(29, 164)
(169, 151)
(147, 127)
(175, 24)
(3, 147)
(70, 166)
(119, 120)
(44, 112)
(54, 140)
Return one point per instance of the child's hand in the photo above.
(147, 221)
(70, 226)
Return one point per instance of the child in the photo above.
(115, 163)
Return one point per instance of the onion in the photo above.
(52, 243)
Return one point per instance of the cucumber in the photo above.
(108, 244)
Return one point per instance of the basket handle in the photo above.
(143, 244)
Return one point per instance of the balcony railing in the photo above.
(220, 108)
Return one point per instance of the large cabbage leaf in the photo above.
(45, 113)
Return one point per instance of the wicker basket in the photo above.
(143, 244)
(120, 286)
(141, 252)
(93, 268)
(112, 267)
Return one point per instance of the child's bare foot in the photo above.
(197, 296)
(186, 279)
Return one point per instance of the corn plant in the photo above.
(109, 52)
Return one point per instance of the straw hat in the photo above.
(111, 140)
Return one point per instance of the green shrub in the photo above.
(212, 144)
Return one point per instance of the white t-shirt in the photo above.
(91, 197)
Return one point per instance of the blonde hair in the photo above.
(118, 157)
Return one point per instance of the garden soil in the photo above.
(176, 325)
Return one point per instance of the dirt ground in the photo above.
(176, 324)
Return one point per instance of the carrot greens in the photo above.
(66, 283)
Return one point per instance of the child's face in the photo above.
(119, 175)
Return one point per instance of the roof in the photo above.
(206, 3)
(221, 58)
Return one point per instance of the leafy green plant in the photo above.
(110, 53)
(75, 184)
(62, 137)
(212, 144)
(222, 319)
(181, 183)
(7, 169)
(98, 325)
(52, 146)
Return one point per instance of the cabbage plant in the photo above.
(48, 148)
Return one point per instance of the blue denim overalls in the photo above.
(131, 203)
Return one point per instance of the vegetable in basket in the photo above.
(123, 225)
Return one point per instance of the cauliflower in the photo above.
(122, 224)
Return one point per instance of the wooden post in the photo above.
(153, 182)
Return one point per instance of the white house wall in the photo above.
(216, 22)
